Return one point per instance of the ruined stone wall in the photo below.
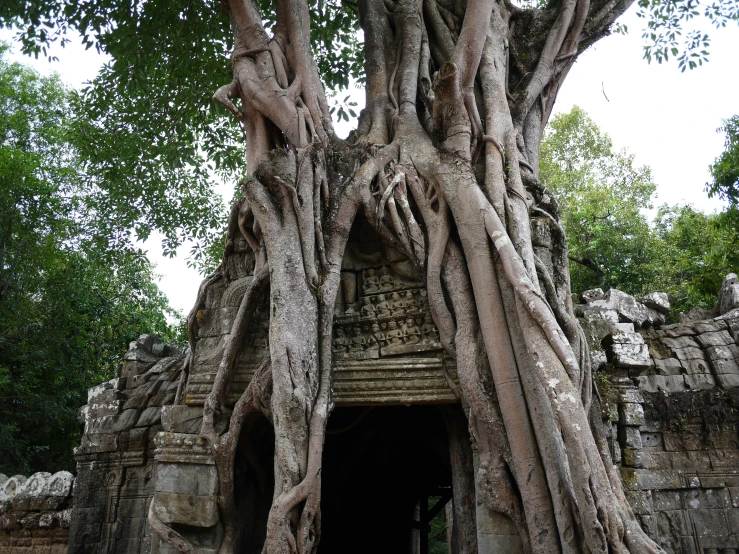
(671, 416)
(670, 399)
(35, 513)
(115, 460)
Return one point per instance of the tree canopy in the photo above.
(605, 201)
(70, 299)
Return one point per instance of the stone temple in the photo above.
(670, 412)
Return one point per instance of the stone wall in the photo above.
(670, 399)
(35, 513)
(671, 415)
(115, 460)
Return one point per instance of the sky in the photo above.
(666, 118)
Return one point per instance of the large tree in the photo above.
(444, 163)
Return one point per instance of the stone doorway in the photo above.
(380, 464)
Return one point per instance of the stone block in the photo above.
(630, 395)
(707, 499)
(149, 417)
(672, 523)
(650, 479)
(658, 301)
(640, 502)
(689, 353)
(696, 367)
(182, 419)
(186, 479)
(664, 383)
(630, 356)
(648, 524)
(709, 523)
(632, 458)
(715, 338)
(668, 366)
(192, 510)
(667, 500)
(698, 382)
(132, 368)
(709, 326)
(631, 414)
(728, 297)
(592, 295)
(678, 330)
(629, 437)
(651, 439)
(734, 493)
(726, 352)
(728, 380)
(681, 342)
(726, 366)
(685, 439)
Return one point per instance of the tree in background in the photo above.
(604, 200)
(69, 300)
(603, 197)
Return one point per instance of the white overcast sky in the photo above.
(668, 119)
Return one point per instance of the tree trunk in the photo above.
(444, 165)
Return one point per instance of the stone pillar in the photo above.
(496, 532)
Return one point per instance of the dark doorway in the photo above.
(378, 463)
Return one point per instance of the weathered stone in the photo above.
(651, 440)
(697, 382)
(728, 297)
(668, 366)
(689, 353)
(696, 367)
(186, 509)
(591, 295)
(679, 330)
(628, 309)
(629, 437)
(709, 326)
(658, 301)
(667, 500)
(632, 458)
(681, 342)
(631, 414)
(193, 479)
(629, 356)
(728, 352)
(716, 338)
(662, 383)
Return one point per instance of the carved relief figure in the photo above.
(410, 304)
(368, 310)
(340, 341)
(412, 332)
(359, 343)
(386, 281)
(371, 282)
(398, 305)
(383, 306)
(429, 330)
(394, 335)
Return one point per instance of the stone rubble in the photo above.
(35, 513)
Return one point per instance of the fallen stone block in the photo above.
(658, 301)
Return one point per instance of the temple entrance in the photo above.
(386, 475)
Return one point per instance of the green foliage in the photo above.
(694, 253)
(69, 301)
(159, 140)
(666, 35)
(602, 196)
(603, 199)
(725, 170)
